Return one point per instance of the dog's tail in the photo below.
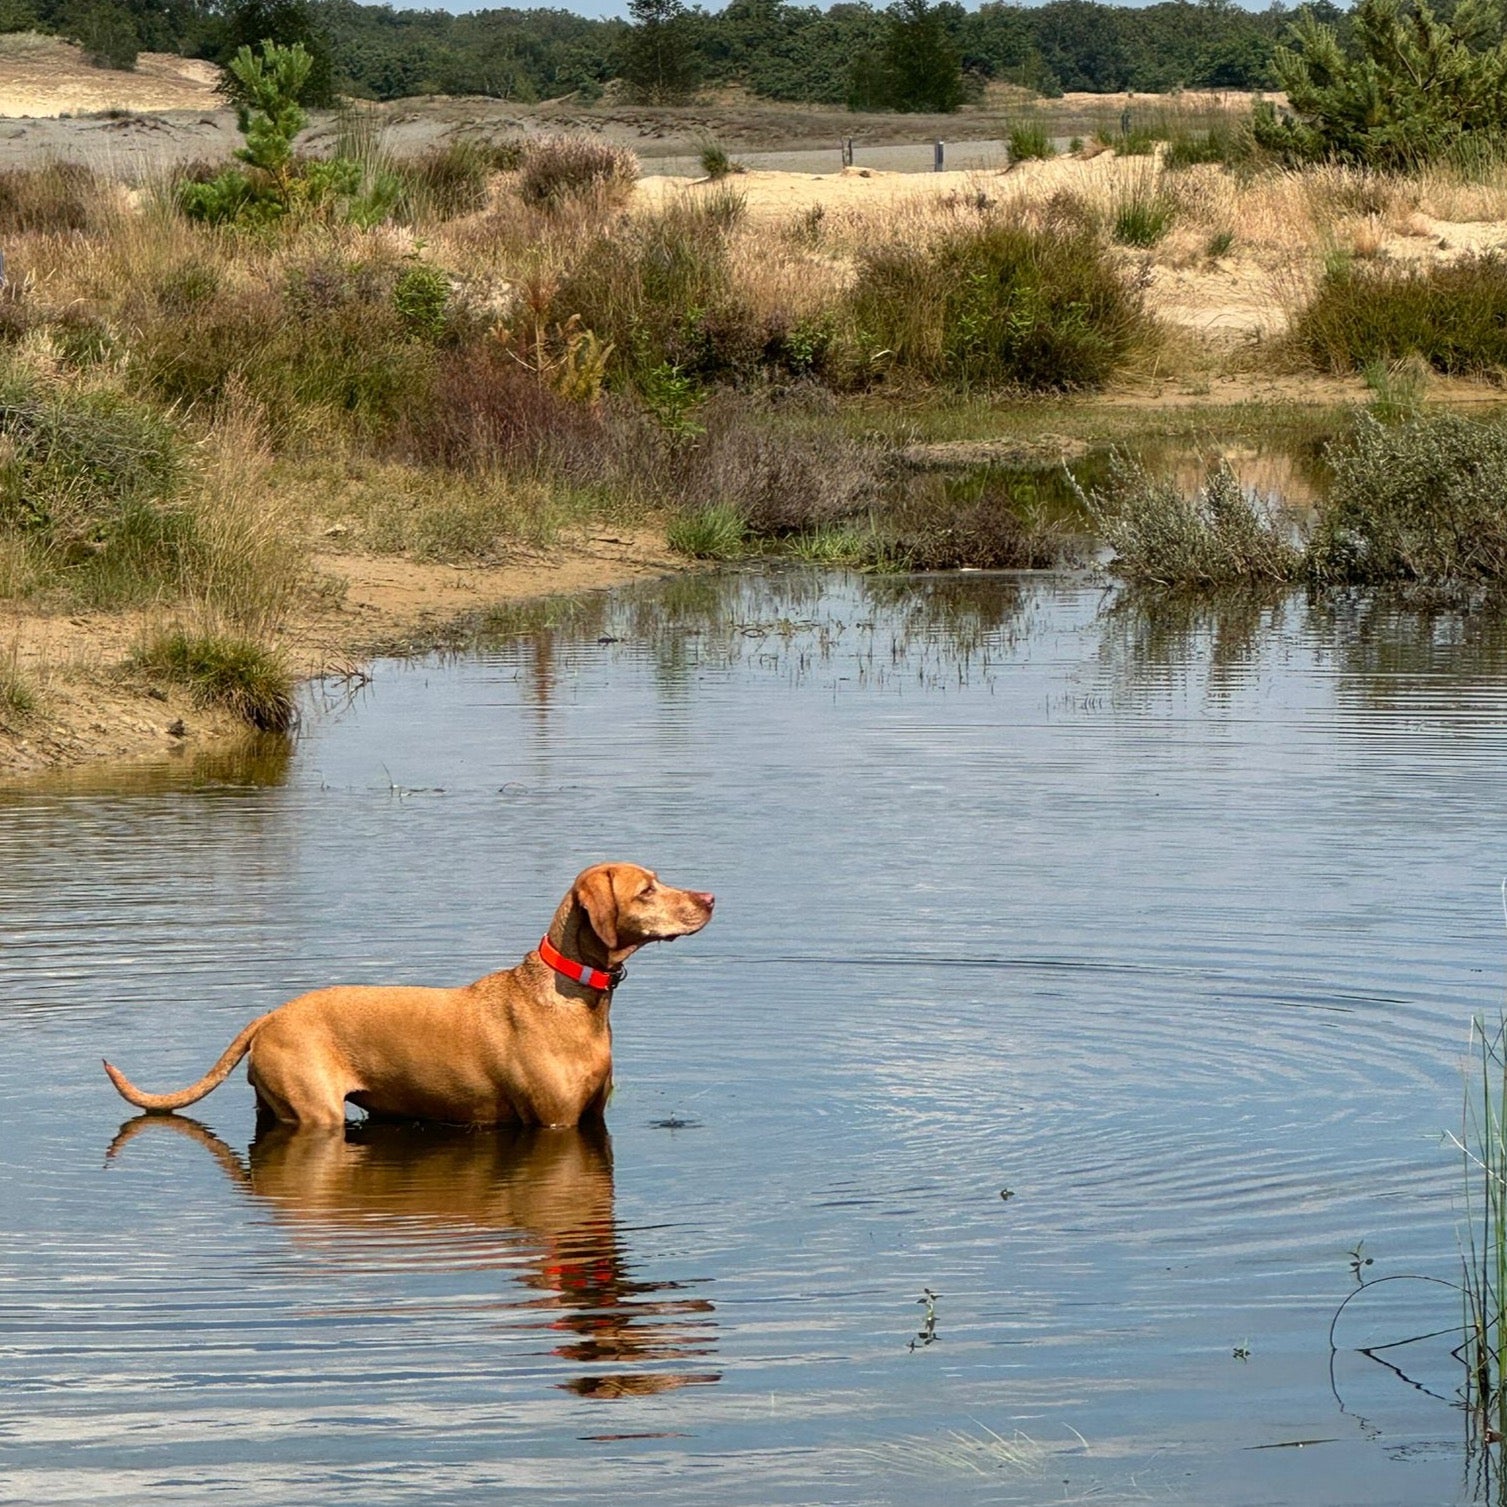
(162, 1104)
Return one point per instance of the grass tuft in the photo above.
(1029, 142)
(224, 670)
(19, 697)
(1143, 212)
(715, 532)
(716, 163)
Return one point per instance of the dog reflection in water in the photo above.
(429, 1195)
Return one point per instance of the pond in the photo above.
(1087, 980)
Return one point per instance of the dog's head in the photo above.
(626, 906)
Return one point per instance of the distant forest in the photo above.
(777, 51)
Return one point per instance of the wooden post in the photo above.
(936, 156)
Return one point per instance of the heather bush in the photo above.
(485, 409)
(58, 199)
(555, 169)
(1453, 316)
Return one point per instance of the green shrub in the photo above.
(1424, 500)
(999, 304)
(422, 297)
(1163, 537)
(1453, 316)
(88, 486)
(228, 198)
(329, 345)
(558, 168)
(244, 677)
(1029, 141)
(659, 289)
(78, 463)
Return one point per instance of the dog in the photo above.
(531, 1045)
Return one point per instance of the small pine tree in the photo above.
(271, 116)
(250, 23)
(1411, 89)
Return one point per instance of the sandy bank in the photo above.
(93, 708)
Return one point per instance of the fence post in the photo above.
(846, 147)
(936, 156)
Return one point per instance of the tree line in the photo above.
(916, 54)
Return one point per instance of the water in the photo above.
(1169, 926)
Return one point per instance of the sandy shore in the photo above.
(92, 708)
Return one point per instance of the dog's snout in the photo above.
(705, 897)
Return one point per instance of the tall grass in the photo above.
(1482, 1288)
(1483, 1146)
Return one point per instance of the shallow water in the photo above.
(1168, 925)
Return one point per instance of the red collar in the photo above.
(579, 973)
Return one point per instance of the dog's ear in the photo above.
(594, 895)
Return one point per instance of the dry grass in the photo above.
(249, 562)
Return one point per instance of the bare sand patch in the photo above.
(48, 77)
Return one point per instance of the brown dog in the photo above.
(530, 1045)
